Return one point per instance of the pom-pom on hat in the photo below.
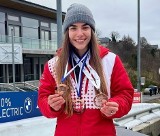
(78, 13)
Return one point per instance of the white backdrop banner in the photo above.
(6, 54)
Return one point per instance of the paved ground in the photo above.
(45, 127)
(153, 98)
(41, 126)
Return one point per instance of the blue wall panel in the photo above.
(18, 105)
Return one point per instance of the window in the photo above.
(54, 40)
(53, 27)
(54, 32)
(29, 22)
(30, 32)
(16, 33)
(1, 74)
(16, 30)
(28, 69)
(13, 18)
(30, 38)
(45, 43)
(2, 17)
(2, 29)
(45, 35)
(44, 24)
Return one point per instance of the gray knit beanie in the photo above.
(78, 13)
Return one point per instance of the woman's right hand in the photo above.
(56, 101)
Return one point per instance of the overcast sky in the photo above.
(120, 16)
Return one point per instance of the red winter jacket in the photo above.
(91, 122)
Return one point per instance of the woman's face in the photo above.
(80, 36)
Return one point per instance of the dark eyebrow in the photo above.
(72, 26)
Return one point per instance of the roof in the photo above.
(154, 46)
(30, 7)
(104, 40)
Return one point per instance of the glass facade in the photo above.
(17, 73)
(13, 18)
(16, 33)
(54, 34)
(53, 27)
(2, 17)
(30, 38)
(45, 39)
(31, 33)
(1, 73)
(2, 26)
(29, 22)
(45, 24)
(54, 40)
(2, 29)
(28, 69)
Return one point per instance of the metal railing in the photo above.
(4, 87)
(28, 86)
(30, 43)
(19, 86)
(27, 77)
(143, 114)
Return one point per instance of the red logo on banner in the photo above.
(137, 97)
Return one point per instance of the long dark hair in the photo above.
(95, 61)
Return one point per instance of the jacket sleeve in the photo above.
(121, 89)
(47, 87)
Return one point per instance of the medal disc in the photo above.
(79, 106)
(98, 99)
(62, 89)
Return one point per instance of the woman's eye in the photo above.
(72, 28)
(86, 27)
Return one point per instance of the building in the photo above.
(154, 46)
(104, 41)
(34, 28)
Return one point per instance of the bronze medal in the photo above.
(79, 106)
(62, 89)
(98, 99)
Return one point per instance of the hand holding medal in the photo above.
(99, 98)
(62, 89)
(109, 108)
(55, 101)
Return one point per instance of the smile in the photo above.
(79, 40)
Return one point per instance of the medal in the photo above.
(94, 78)
(79, 106)
(62, 89)
(98, 99)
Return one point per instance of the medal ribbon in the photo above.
(69, 72)
(81, 65)
(90, 73)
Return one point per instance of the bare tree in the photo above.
(114, 36)
(128, 40)
(144, 43)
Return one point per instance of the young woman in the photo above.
(85, 86)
